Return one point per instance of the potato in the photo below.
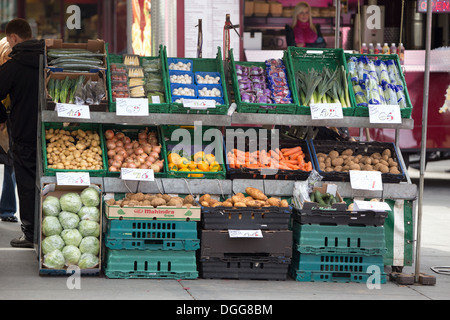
(240, 195)
(384, 163)
(251, 203)
(204, 203)
(227, 204)
(247, 199)
(274, 201)
(255, 193)
(137, 196)
(394, 170)
(111, 202)
(205, 197)
(392, 163)
(347, 152)
(175, 203)
(260, 203)
(322, 166)
(240, 204)
(333, 154)
(387, 152)
(158, 202)
(367, 167)
(375, 161)
(355, 166)
(337, 161)
(376, 155)
(384, 169)
(146, 203)
(338, 168)
(166, 197)
(189, 199)
(217, 204)
(236, 199)
(329, 169)
(284, 203)
(320, 154)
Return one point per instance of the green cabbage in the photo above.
(51, 226)
(68, 220)
(89, 213)
(90, 197)
(54, 260)
(71, 202)
(71, 237)
(51, 206)
(87, 260)
(52, 243)
(90, 245)
(71, 254)
(89, 228)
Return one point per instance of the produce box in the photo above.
(84, 227)
(200, 66)
(151, 235)
(308, 59)
(240, 141)
(309, 206)
(97, 47)
(191, 154)
(50, 104)
(152, 65)
(150, 264)
(77, 164)
(386, 71)
(170, 212)
(367, 151)
(244, 99)
(131, 134)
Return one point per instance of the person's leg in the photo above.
(8, 198)
(25, 170)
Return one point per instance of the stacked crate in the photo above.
(151, 249)
(223, 256)
(338, 246)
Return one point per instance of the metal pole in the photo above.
(338, 24)
(424, 137)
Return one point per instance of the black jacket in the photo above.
(19, 77)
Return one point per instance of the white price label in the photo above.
(245, 233)
(326, 111)
(359, 205)
(73, 179)
(137, 174)
(156, 99)
(366, 180)
(384, 113)
(132, 106)
(70, 110)
(199, 103)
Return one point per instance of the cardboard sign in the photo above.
(384, 113)
(359, 205)
(137, 174)
(70, 110)
(73, 179)
(199, 103)
(366, 180)
(326, 111)
(245, 233)
(132, 106)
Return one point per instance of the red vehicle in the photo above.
(438, 132)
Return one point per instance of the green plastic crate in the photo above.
(132, 132)
(364, 111)
(150, 264)
(304, 59)
(83, 126)
(168, 145)
(152, 107)
(270, 108)
(202, 65)
(322, 239)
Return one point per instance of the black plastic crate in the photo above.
(245, 268)
(363, 148)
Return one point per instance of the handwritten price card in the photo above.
(366, 180)
(384, 113)
(326, 111)
(132, 106)
(73, 179)
(245, 233)
(70, 110)
(137, 174)
(199, 103)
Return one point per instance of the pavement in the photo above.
(20, 279)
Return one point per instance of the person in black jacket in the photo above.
(19, 77)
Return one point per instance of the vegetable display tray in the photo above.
(150, 264)
(304, 59)
(132, 132)
(361, 111)
(162, 107)
(251, 139)
(202, 66)
(363, 148)
(83, 126)
(269, 108)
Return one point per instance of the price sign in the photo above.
(326, 111)
(359, 205)
(366, 180)
(73, 178)
(137, 174)
(199, 103)
(384, 113)
(70, 110)
(132, 106)
(245, 233)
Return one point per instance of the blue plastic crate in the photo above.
(176, 60)
(181, 85)
(178, 73)
(208, 87)
(204, 74)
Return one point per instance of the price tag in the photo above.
(384, 113)
(366, 180)
(245, 233)
(132, 106)
(69, 110)
(156, 99)
(359, 205)
(199, 103)
(326, 111)
(73, 179)
(137, 174)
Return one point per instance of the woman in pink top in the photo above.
(304, 30)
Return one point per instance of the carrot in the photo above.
(263, 157)
(292, 151)
(295, 155)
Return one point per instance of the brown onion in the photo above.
(111, 153)
(157, 148)
(109, 134)
(138, 151)
(118, 157)
(154, 155)
(110, 145)
(113, 169)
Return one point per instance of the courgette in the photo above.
(51, 87)
(319, 199)
(77, 59)
(78, 66)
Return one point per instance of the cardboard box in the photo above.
(52, 189)
(151, 213)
